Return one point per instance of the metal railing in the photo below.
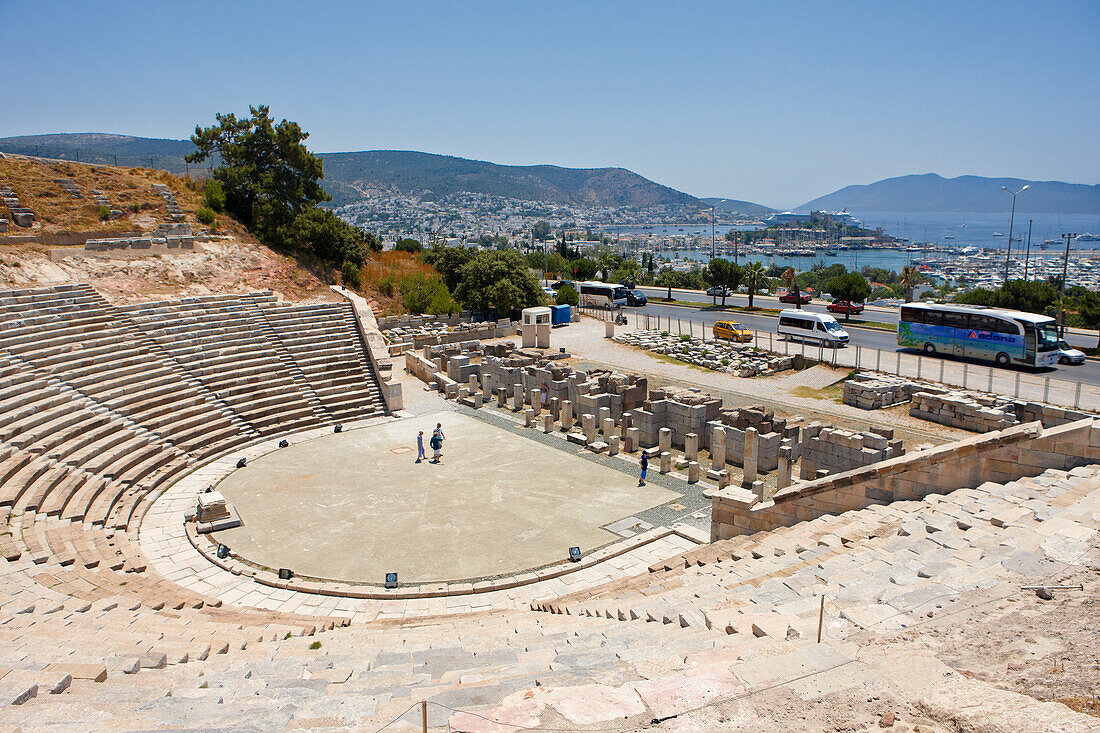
(958, 373)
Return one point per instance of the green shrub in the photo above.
(568, 295)
(350, 272)
(664, 334)
(214, 195)
(387, 284)
(408, 245)
(685, 337)
(104, 212)
(204, 215)
(315, 645)
(422, 294)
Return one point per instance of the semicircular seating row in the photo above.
(101, 408)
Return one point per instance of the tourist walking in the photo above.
(544, 395)
(420, 446)
(644, 462)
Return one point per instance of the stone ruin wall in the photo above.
(827, 450)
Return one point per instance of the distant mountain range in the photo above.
(349, 175)
(975, 194)
(733, 206)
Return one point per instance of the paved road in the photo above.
(871, 313)
(1087, 373)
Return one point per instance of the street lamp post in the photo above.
(1012, 216)
(1027, 256)
(1062, 290)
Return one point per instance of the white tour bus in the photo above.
(820, 327)
(977, 332)
(601, 295)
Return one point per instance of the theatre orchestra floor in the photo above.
(353, 505)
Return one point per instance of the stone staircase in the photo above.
(878, 567)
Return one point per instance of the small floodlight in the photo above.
(391, 580)
(284, 443)
(241, 463)
(223, 551)
(338, 429)
(285, 573)
(575, 554)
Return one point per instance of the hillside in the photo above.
(227, 261)
(733, 206)
(931, 192)
(435, 176)
(349, 175)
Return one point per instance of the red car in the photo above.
(795, 297)
(845, 307)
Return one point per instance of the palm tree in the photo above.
(754, 279)
(606, 264)
(791, 281)
(908, 280)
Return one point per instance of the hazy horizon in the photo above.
(775, 105)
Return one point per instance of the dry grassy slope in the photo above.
(233, 263)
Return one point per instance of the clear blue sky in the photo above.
(771, 102)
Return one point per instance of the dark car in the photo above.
(795, 297)
(635, 297)
(558, 285)
(629, 285)
(845, 307)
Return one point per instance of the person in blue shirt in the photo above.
(644, 461)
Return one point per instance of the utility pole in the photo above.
(1062, 290)
(1027, 257)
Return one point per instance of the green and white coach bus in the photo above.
(975, 332)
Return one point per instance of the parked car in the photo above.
(1069, 355)
(559, 283)
(719, 291)
(795, 297)
(731, 330)
(846, 307)
(629, 284)
(551, 293)
(636, 297)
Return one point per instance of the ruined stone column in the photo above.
(613, 445)
(502, 396)
(555, 407)
(517, 397)
(547, 423)
(751, 447)
(718, 449)
(624, 425)
(632, 437)
(691, 446)
(566, 415)
(534, 396)
(529, 417)
(723, 479)
(607, 427)
(472, 384)
(783, 478)
(604, 413)
(666, 461)
(693, 472)
(588, 422)
(664, 438)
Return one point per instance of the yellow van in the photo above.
(731, 330)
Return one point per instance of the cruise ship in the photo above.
(790, 217)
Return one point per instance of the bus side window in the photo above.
(912, 315)
(933, 318)
(954, 320)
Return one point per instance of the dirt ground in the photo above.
(221, 266)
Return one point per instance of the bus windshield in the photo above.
(1048, 336)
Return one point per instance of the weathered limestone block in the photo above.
(632, 440)
(665, 444)
(517, 397)
(566, 415)
(529, 417)
(693, 472)
(613, 445)
(588, 423)
(547, 423)
(607, 427)
(718, 448)
(691, 446)
(750, 456)
(666, 461)
(783, 479)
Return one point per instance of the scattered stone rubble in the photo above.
(414, 332)
(877, 391)
(175, 213)
(742, 360)
(21, 215)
